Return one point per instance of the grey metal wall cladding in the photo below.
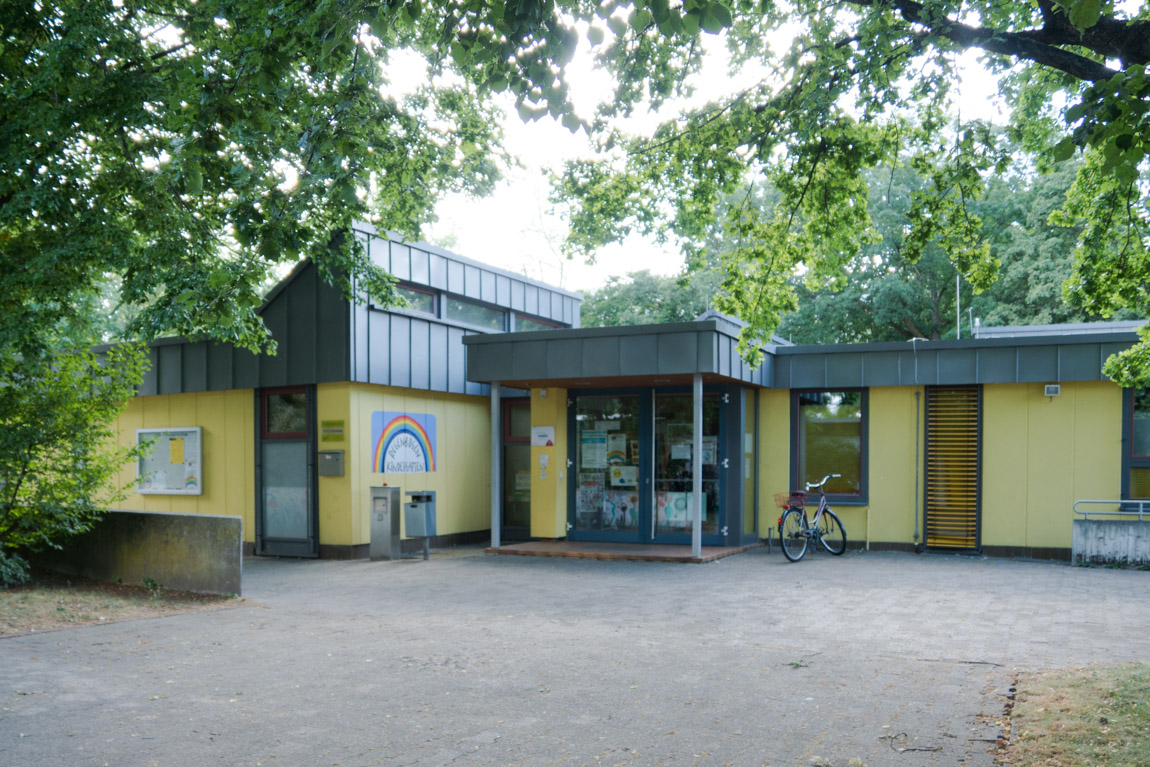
(301, 327)
(529, 360)
(332, 335)
(456, 362)
(487, 290)
(502, 290)
(150, 384)
(437, 357)
(221, 370)
(273, 370)
(1080, 363)
(472, 282)
(420, 266)
(420, 354)
(379, 251)
(531, 299)
(564, 359)
(959, 366)
(401, 261)
(455, 282)
(846, 368)
(1038, 363)
(438, 266)
(518, 295)
(919, 366)
(399, 353)
(997, 365)
(246, 369)
(808, 372)
(638, 355)
(378, 348)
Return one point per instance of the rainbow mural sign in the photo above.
(402, 443)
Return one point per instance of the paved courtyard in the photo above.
(468, 659)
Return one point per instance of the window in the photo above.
(487, 317)
(1136, 455)
(525, 324)
(418, 300)
(285, 414)
(830, 438)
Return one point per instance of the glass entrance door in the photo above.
(287, 510)
(674, 436)
(516, 480)
(609, 474)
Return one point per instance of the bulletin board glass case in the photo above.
(172, 463)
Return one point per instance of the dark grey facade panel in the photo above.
(379, 354)
(565, 358)
(493, 363)
(808, 372)
(150, 384)
(844, 370)
(438, 266)
(530, 360)
(221, 370)
(880, 369)
(601, 357)
(300, 340)
(677, 353)
(472, 282)
(706, 353)
(781, 372)
(918, 367)
(333, 345)
(401, 261)
(997, 365)
(455, 281)
(400, 352)
(246, 367)
(502, 290)
(958, 366)
(724, 353)
(273, 370)
(1037, 364)
(420, 354)
(170, 364)
(194, 367)
(531, 299)
(437, 357)
(518, 295)
(1079, 363)
(420, 267)
(360, 329)
(638, 355)
(456, 362)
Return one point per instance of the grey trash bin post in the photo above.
(385, 503)
(419, 517)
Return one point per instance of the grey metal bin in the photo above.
(385, 538)
(419, 517)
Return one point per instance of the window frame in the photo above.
(862, 498)
(1129, 460)
(265, 395)
(550, 324)
(446, 317)
(435, 300)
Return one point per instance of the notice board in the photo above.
(172, 463)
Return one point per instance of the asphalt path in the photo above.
(473, 659)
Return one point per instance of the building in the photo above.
(625, 434)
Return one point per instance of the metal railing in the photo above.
(1142, 513)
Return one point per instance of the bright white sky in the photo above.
(515, 229)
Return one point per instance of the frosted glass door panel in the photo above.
(285, 490)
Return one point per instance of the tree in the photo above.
(863, 84)
(642, 298)
(58, 453)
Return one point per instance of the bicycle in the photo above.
(796, 531)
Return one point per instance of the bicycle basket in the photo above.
(793, 498)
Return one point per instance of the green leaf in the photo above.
(595, 35)
(1063, 150)
(641, 20)
(716, 18)
(1085, 13)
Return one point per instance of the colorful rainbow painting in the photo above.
(402, 443)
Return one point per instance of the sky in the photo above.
(515, 228)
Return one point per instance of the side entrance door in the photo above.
(953, 467)
(286, 512)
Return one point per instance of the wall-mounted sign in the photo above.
(172, 463)
(402, 443)
(331, 431)
(542, 436)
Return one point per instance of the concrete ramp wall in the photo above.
(182, 552)
(1110, 541)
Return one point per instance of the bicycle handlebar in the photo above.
(819, 485)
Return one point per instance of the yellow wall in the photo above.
(892, 441)
(461, 481)
(228, 450)
(774, 454)
(1041, 453)
(549, 492)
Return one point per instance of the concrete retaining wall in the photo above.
(1106, 541)
(182, 552)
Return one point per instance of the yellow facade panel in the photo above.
(549, 485)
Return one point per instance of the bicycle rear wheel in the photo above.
(832, 533)
(792, 535)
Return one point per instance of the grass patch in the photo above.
(1082, 718)
(52, 601)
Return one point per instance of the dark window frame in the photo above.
(265, 395)
(508, 437)
(797, 483)
(444, 315)
(1129, 460)
(516, 316)
(434, 294)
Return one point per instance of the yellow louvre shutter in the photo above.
(952, 468)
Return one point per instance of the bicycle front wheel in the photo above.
(832, 533)
(792, 535)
